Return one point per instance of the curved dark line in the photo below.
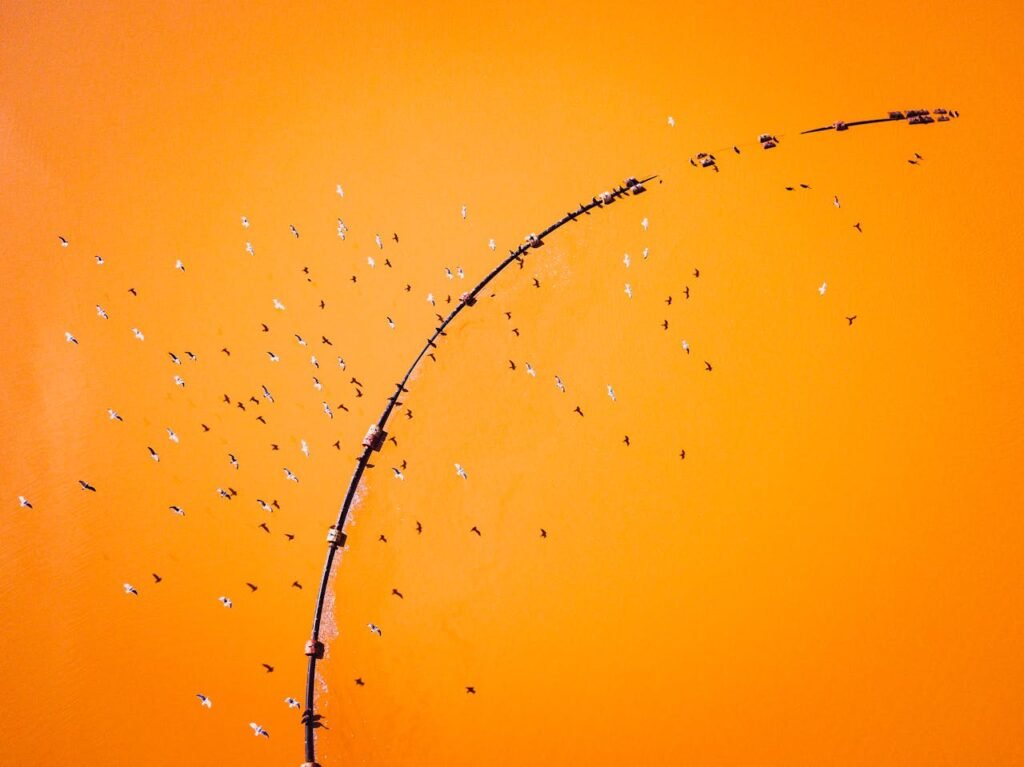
(314, 648)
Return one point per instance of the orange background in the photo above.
(832, 576)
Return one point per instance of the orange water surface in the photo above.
(833, 573)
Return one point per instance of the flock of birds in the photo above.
(264, 394)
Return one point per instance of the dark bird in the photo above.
(404, 464)
(305, 270)
(252, 586)
(669, 300)
(857, 227)
(261, 419)
(408, 288)
(516, 331)
(577, 410)
(682, 454)
(263, 527)
(274, 446)
(431, 355)
(325, 340)
(227, 399)
(275, 504)
(511, 364)
(268, 667)
(86, 486)
(294, 230)
(205, 427)
(665, 324)
(395, 237)
(850, 320)
(707, 366)
(240, 405)
(354, 278)
(296, 585)
(393, 441)
(696, 272)
(254, 400)
(133, 292)
(736, 149)
(397, 593)
(322, 304)
(686, 292)
(156, 578)
(508, 315)
(912, 162)
(536, 282)
(474, 529)
(789, 189)
(63, 242)
(471, 690)
(337, 445)
(419, 527)
(408, 413)
(289, 536)
(226, 351)
(804, 186)
(355, 381)
(381, 538)
(626, 440)
(265, 328)
(543, 533)
(360, 682)
(174, 358)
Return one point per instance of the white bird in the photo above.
(63, 242)
(224, 494)
(686, 347)
(70, 338)
(629, 290)
(294, 230)
(174, 358)
(611, 392)
(379, 241)
(172, 436)
(265, 506)
(301, 341)
(391, 323)
(225, 601)
(671, 121)
(460, 471)
(341, 226)
(179, 266)
(113, 414)
(328, 411)
(341, 363)
(463, 211)
(138, 334)
(179, 381)
(292, 703)
(257, 730)
(153, 454)
(646, 253)
(177, 510)
(398, 473)
(267, 395)
(430, 299)
(23, 502)
(339, 190)
(249, 249)
(273, 357)
(462, 274)
(822, 289)
(375, 629)
(233, 461)
(191, 356)
(314, 362)
(245, 222)
(278, 305)
(491, 244)
(530, 370)
(99, 260)
(204, 701)
(835, 201)
(304, 448)
(448, 273)
(316, 384)
(559, 384)
(625, 260)
(341, 231)
(130, 589)
(371, 262)
(645, 223)
(289, 475)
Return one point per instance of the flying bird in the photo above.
(849, 320)
(543, 533)
(24, 503)
(294, 230)
(172, 436)
(559, 385)
(577, 410)
(130, 589)
(626, 440)
(857, 227)
(707, 366)
(278, 305)
(671, 121)
(491, 244)
(292, 703)
(70, 338)
(204, 701)
(268, 667)
(156, 578)
(86, 486)
(397, 593)
(289, 475)
(822, 288)
(629, 291)
(153, 454)
(63, 242)
(101, 313)
(375, 629)
(177, 510)
(645, 223)
(460, 471)
(611, 392)
(475, 529)
(226, 602)
(113, 415)
(256, 729)
(179, 265)
(245, 222)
